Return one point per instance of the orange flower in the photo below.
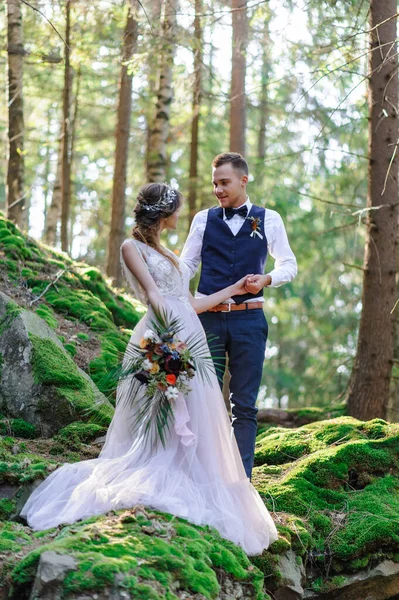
(143, 343)
(171, 379)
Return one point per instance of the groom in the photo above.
(233, 240)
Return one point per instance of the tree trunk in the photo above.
(156, 165)
(15, 196)
(54, 210)
(72, 155)
(117, 232)
(47, 169)
(197, 93)
(237, 92)
(264, 100)
(369, 386)
(65, 138)
(153, 64)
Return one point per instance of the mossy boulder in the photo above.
(340, 480)
(149, 555)
(40, 383)
(75, 299)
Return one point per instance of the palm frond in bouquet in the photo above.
(156, 370)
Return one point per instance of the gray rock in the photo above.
(50, 574)
(20, 395)
(292, 573)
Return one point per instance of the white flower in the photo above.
(146, 365)
(171, 393)
(151, 336)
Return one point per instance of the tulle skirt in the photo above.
(198, 475)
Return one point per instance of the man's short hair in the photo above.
(237, 161)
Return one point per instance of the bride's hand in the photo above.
(157, 301)
(238, 288)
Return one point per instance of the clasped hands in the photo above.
(252, 284)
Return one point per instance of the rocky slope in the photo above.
(332, 485)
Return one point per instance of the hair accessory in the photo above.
(164, 202)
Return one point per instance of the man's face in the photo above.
(229, 186)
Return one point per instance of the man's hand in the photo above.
(255, 283)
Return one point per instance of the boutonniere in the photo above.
(255, 226)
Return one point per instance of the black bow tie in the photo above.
(230, 212)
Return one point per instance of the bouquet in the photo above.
(160, 367)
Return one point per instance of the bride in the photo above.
(198, 474)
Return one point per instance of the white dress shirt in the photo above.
(285, 265)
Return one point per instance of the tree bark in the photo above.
(15, 196)
(238, 71)
(156, 165)
(73, 127)
(264, 99)
(65, 137)
(197, 95)
(369, 386)
(117, 232)
(54, 210)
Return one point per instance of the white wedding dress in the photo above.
(198, 475)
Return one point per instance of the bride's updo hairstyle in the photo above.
(154, 202)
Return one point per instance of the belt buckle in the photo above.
(229, 305)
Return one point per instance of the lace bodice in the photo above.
(170, 280)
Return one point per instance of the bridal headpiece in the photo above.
(165, 201)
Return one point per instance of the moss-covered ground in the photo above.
(154, 555)
(334, 487)
(92, 319)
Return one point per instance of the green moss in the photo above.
(76, 433)
(323, 586)
(52, 367)
(21, 467)
(18, 428)
(82, 336)
(71, 348)
(148, 566)
(113, 346)
(46, 313)
(81, 304)
(345, 492)
(280, 446)
(7, 507)
(11, 312)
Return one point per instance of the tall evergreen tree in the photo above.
(15, 197)
(65, 137)
(117, 232)
(238, 72)
(196, 104)
(157, 144)
(370, 381)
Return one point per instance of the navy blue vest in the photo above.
(226, 258)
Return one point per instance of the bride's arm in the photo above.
(138, 268)
(205, 303)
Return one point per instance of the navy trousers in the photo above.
(242, 335)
